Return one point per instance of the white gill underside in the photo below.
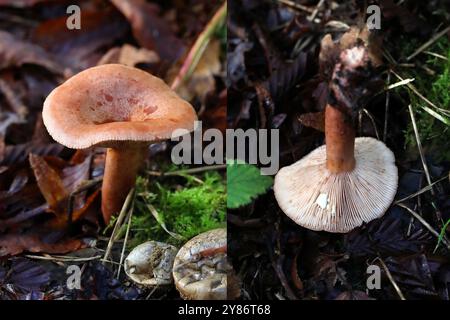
(320, 200)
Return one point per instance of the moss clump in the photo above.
(195, 205)
(434, 133)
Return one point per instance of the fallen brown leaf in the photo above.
(150, 30)
(129, 56)
(14, 244)
(15, 53)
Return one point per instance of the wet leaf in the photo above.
(15, 154)
(150, 30)
(26, 275)
(78, 48)
(49, 181)
(13, 244)
(16, 53)
(129, 56)
(314, 120)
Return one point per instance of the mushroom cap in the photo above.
(318, 199)
(112, 103)
(150, 263)
(200, 268)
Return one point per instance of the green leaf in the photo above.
(244, 183)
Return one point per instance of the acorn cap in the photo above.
(320, 200)
(113, 104)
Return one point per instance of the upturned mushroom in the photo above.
(150, 264)
(201, 270)
(348, 181)
(121, 108)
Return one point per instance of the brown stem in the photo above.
(340, 140)
(121, 167)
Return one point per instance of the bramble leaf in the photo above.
(244, 183)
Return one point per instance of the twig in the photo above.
(373, 122)
(122, 254)
(428, 43)
(316, 10)
(118, 224)
(296, 5)
(386, 108)
(422, 157)
(391, 279)
(199, 47)
(399, 84)
(63, 258)
(426, 224)
(415, 194)
(187, 171)
(436, 55)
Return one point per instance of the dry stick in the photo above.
(391, 279)
(399, 84)
(386, 109)
(296, 6)
(199, 47)
(188, 171)
(63, 258)
(421, 96)
(415, 194)
(426, 224)
(373, 122)
(316, 10)
(122, 254)
(118, 224)
(428, 43)
(422, 157)
(436, 55)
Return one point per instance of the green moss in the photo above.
(186, 206)
(434, 133)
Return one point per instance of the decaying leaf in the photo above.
(49, 181)
(57, 180)
(129, 56)
(202, 81)
(15, 53)
(150, 30)
(314, 120)
(13, 244)
(81, 48)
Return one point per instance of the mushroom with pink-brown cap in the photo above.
(121, 108)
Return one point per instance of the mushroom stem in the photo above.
(121, 167)
(340, 140)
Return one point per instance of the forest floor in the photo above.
(50, 215)
(274, 78)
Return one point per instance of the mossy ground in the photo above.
(432, 80)
(186, 205)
